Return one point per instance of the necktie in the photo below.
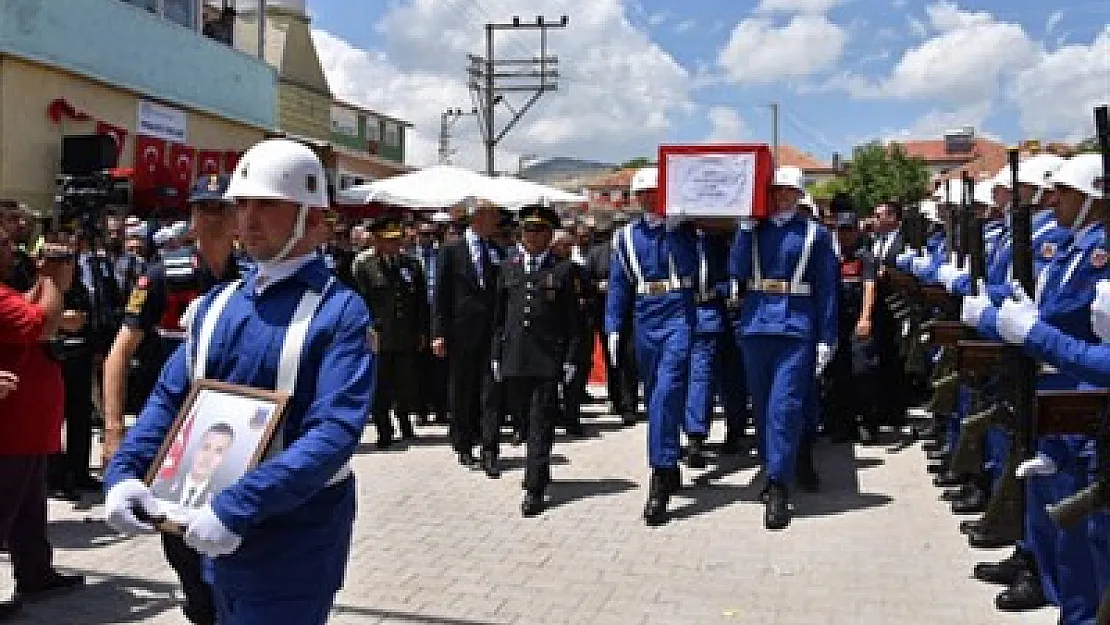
(483, 261)
(532, 262)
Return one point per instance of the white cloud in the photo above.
(685, 25)
(757, 51)
(655, 19)
(1055, 96)
(619, 94)
(962, 63)
(936, 122)
(797, 6)
(726, 125)
(917, 27)
(1053, 21)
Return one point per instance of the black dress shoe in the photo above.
(954, 494)
(731, 446)
(974, 503)
(970, 526)
(10, 609)
(776, 513)
(807, 477)
(939, 455)
(492, 467)
(517, 439)
(628, 418)
(937, 468)
(406, 430)
(532, 504)
(385, 442)
(1004, 572)
(55, 584)
(695, 454)
(983, 539)
(1024, 594)
(467, 459)
(948, 479)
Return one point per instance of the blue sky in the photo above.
(640, 72)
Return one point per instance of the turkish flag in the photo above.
(181, 171)
(231, 159)
(150, 156)
(172, 462)
(118, 134)
(208, 162)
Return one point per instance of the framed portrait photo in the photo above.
(222, 431)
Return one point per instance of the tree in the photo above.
(636, 163)
(879, 173)
(1090, 144)
(826, 189)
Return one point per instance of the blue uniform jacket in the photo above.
(713, 252)
(813, 316)
(295, 531)
(1084, 361)
(1048, 238)
(653, 244)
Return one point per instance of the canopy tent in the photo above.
(445, 185)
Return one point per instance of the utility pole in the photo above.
(446, 120)
(775, 132)
(491, 79)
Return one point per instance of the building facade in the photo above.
(174, 101)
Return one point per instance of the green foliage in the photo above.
(1088, 145)
(879, 173)
(826, 189)
(636, 163)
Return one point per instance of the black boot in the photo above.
(406, 427)
(532, 504)
(940, 455)
(1004, 572)
(695, 454)
(1024, 594)
(731, 446)
(948, 479)
(985, 538)
(776, 513)
(491, 466)
(664, 482)
(629, 418)
(954, 494)
(807, 477)
(974, 503)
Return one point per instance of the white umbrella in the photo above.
(433, 187)
(513, 193)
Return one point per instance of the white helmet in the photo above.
(645, 179)
(1082, 173)
(789, 177)
(983, 193)
(948, 191)
(280, 169)
(1035, 171)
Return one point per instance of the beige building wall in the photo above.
(303, 112)
(30, 143)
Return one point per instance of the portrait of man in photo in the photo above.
(193, 487)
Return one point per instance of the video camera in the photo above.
(82, 199)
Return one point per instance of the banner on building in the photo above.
(181, 171)
(231, 159)
(150, 156)
(163, 122)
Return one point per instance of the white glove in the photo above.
(208, 535)
(1017, 316)
(905, 257)
(824, 357)
(495, 367)
(746, 223)
(1040, 465)
(920, 264)
(948, 274)
(120, 500)
(1100, 310)
(972, 306)
(568, 373)
(614, 339)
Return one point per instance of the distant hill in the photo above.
(563, 168)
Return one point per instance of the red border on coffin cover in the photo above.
(764, 168)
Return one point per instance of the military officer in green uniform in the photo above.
(393, 285)
(537, 338)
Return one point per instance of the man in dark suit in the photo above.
(537, 340)
(393, 286)
(892, 386)
(434, 387)
(462, 324)
(620, 368)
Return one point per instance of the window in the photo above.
(373, 129)
(392, 134)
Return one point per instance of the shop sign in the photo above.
(163, 122)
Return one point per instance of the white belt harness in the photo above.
(288, 363)
(673, 282)
(796, 286)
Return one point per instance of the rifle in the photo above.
(977, 361)
(1078, 412)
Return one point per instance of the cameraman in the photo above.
(32, 420)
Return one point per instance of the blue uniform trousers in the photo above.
(780, 379)
(239, 610)
(662, 362)
(1098, 529)
(699, 395)
(997, 452)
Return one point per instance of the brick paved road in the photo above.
(440, 545)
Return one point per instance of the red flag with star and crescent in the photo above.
(172, 462)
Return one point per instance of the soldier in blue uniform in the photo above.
(705, 348)
(1063, 569)
(652, 273)
(788, 327)
(537, 340)
(276, 541)
(152, 330)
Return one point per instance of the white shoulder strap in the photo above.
(293, 345)
(198, 362)
(757, 269)
(630, 255)
(703, 269)
(803, 260)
